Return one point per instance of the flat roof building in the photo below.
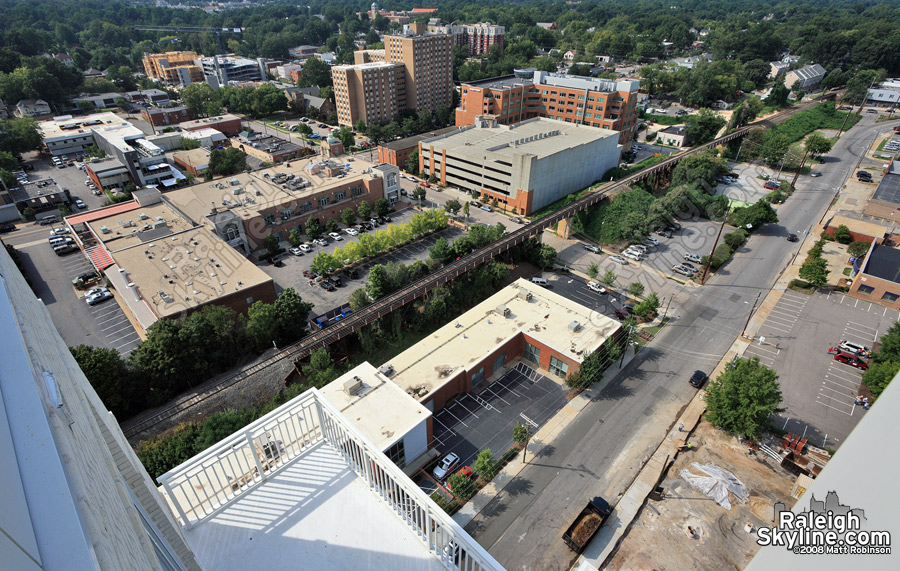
(529, 93)
(878, 277)
(39, 195)
(368, 91)
(525, 166)
(176, 68)
(477, 38)
(397, 152)
(805, 77)
(228, 124)
(521, 320)
(229, 69)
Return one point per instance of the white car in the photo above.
(683, 270)
(445, 466)
(619, 260)
(595, 286)
(297, 251)
(412, 178)
(59, 231)
(305, 248)
(80, 203)
(855, 348)
(639, 247)
(652, 241)
(690, 257)
(351, 231)
(335, 236)
(632, 255)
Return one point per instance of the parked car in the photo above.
(639, 248)
(351, 232)
(320, 241)
(59, 231)
(595, 286)
(4, 228)
(445, 466)
(620, 315)
(855, 348)
(664, 233)
(683, 270)
(335, 236)
(632, 255)
(691, 257)
(327, 285)
(466, 471)
(619, 260)
(305, 248)
(651, 241)
(689, 266)
(815, 174)
(80, 204)
(592, 248)
(851, 359)
(697, 379)
(96, 298)
(487, 208)
(771, 185)
(296, 251)
(424, 184)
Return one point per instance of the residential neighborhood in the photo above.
(537, 285)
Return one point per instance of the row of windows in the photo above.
(888, 296)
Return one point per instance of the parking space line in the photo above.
(774, 352)
(779, 329)
(852, 388)
(119, 347)
(842, 374)
(842, 393)
(103, 312)
(471, 412)
(784, 322)
(118, 330)
(835, 408)
(488, 389)
(118, 323)
(457, 418)
(101, 322)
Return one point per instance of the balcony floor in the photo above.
(314, 514)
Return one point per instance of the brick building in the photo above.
(397, 152)
(610, 104)
(478, 38)
(228, 124)
(160, 117)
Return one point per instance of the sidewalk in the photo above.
(544, 436)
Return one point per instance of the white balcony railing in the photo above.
(214, 479)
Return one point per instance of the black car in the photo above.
(629, 307)
(791, 237)
(327, 285)
(4, 228)
(697, 379)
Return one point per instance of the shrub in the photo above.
(858, 248)
(735, 239)
(720, 256)
(842, 234)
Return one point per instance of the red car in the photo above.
(851, 359)
(466, 471)
(425, 184)
(771, 185)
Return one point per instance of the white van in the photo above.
(48, 220)
(540, 281)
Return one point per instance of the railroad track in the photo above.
(417, 289)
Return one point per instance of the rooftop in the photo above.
(286, 489)
(457, 346)
(203, 133)
(193, 157)
(888, 189)
(249, 194)
(181, 271)
(675, 130)
(136, 226)
(366, 407)
(502, 82)
(67, 126)
(35, 189)
(556, 80)
(120, 136)
(369, 65)
(410, 142)
(531, 137)
(198, 123)
(883, 262)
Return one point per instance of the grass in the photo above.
(389, 350)
(652, 330)
(666, 119)
(848, 271)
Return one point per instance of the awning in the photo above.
(168, 182)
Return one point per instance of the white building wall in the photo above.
(415, 442)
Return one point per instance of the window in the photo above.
(269, 219)
(558, 368)
(499, 362)
(865, 289)
(323, 202)
(285, 214)
(532, 353)
(397, 454)
(249, 301)
(340, 195)
(305, 206)
(888, 296)
(478, 376)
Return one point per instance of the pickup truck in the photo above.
(585, 526)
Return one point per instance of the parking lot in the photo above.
(476, 421)
(818, 391)
(101, 325)
(71, 178)
(646, 150)
(291, 274)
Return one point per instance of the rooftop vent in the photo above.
(143, 216)
(574, 326)
(526, 295)
(503, 310)
(104, 230)
(351, 386)
(387, 370)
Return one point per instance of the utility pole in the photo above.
(666, 310)
(716, 243)
(752, 309)
(797, 174)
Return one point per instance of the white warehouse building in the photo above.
(525, 166)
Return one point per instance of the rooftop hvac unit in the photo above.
(387, 370)
(574, 326)
(143, 216)
(237, 190)
(105, 230)
(503, 310)
(526, 295)
(159, 223)
(234, 182)
(126, 223)
(352, 385)
(159, 218)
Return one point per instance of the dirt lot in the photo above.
(659, 537)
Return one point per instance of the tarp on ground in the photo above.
(716, 484)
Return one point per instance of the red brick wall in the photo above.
(856, 236)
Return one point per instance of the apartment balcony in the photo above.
(303, 485)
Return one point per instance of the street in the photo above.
(602, 450)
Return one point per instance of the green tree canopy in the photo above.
(741, 399)
(227, 161)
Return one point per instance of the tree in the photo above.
(452, 206)
(521, 435)
(418, 194)
(817, 145)
(890, 345)
(106, 372)
(348, 216)
(609, 278)
(440, 251)
(295, 238)
(778, 96)
(702, 127)
(315, 72)
(359, 299)
(313, 228)
(272, 245)
(593, 270)
(466, 208)
(636, 289)
(292, 313)
(346, 137)
(484, 464)
(546, 256)
(304, 130)
(19, 135)
(858, 248)
(754, 215)
(227, 161)
(382, 207)
(879, 376)
(461, 486)
(815, 271)
(188, 144)
(842, 234)
(364, 211)
(741, 399)
(197, 96)
(378, 284)
(331, 225)
(412, 162)
(321, 370)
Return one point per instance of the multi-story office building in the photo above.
(413, 72)
(609, 104)
(173, 67)
(368, 91)
(478, 38)
(525, 166)
(222, 70)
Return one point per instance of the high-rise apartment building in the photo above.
(173, 67)
(478, 38)
(413, 72)
(610, 104)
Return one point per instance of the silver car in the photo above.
(619, 260)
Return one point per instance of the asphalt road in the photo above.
(522, 527)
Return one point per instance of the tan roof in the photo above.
(873, 229)
(184, 270)
(69, 127)
(256, 192)
(464, 343)
(380, 409)
(194, 157)
(136, 226)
